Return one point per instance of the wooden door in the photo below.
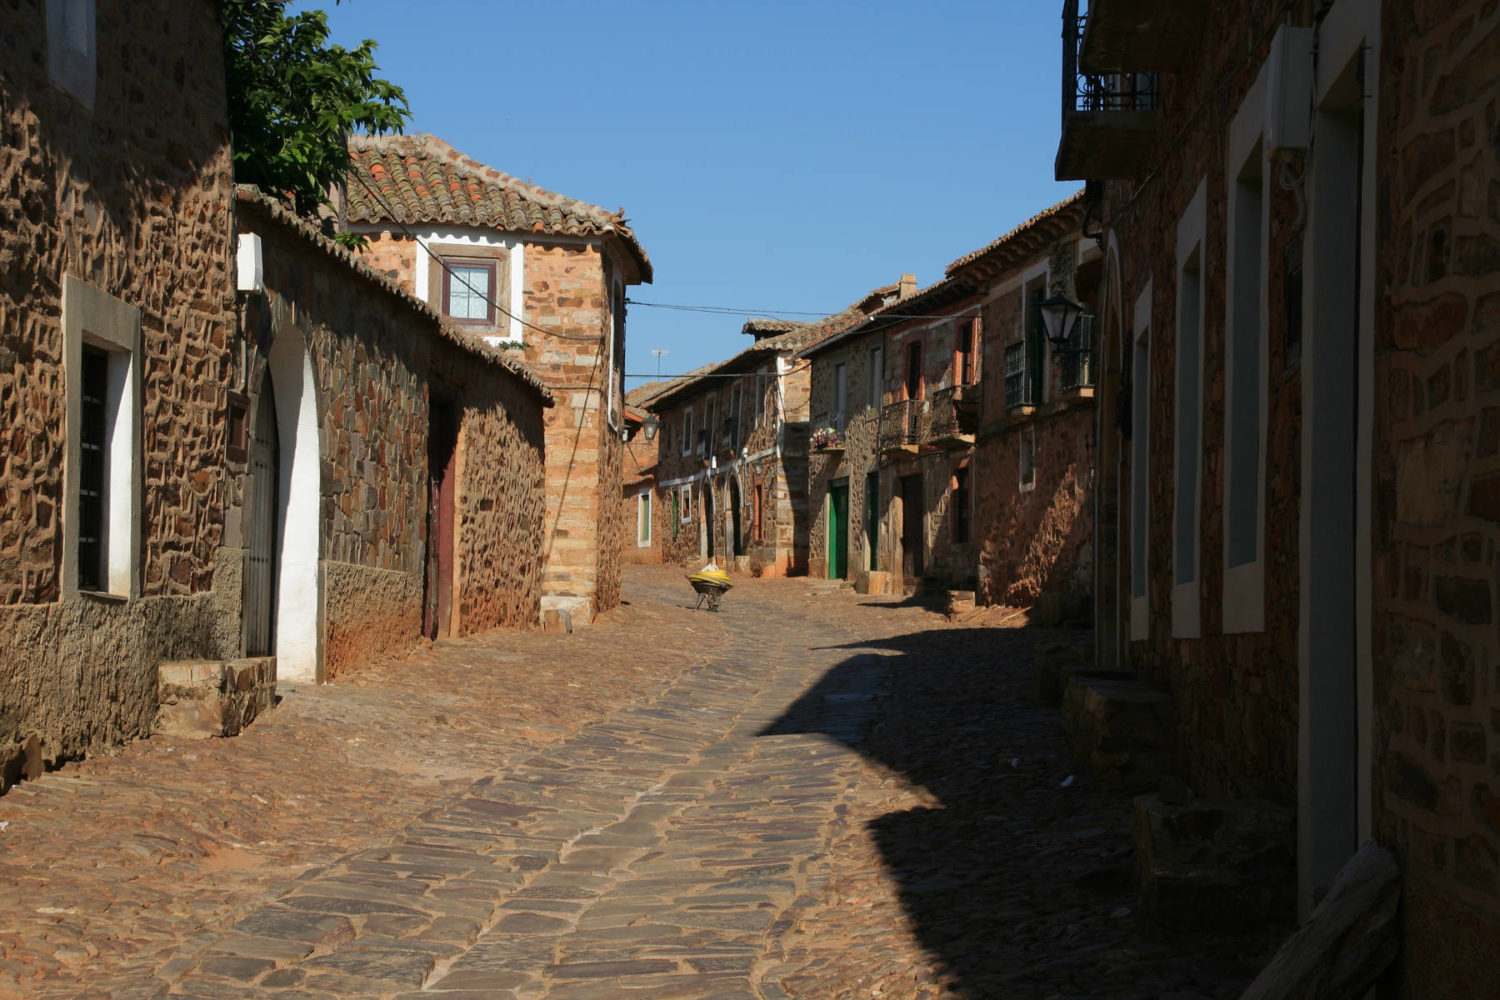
(265, 499)
(911, 527)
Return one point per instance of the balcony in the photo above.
(1109, 120)
(904, 427)
(731, 434)
(1154, 35)
(954, 417)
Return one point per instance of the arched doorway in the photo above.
(708, 519)
(261, 562)
(737, 534)
(297, 614)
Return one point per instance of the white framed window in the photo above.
(1140, 466)
(1187, 467)
(643, 518)
(1026, 448)
(72, 49)
(685, 506)
(875, 377)
(687, 431)
(1246, 357)
(101, 475)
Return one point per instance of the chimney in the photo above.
(908, 286)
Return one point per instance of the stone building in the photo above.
(638, 483)
(1299, 394)
(951, 445)
(386, 468)
(1032, 479)
(116, 334)
(538, 273)
(891, 437)
(733, 449)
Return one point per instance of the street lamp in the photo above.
(1060, 319)
(650, 426)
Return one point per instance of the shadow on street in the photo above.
(1020, 883)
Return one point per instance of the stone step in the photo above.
(872, 581)
(1215, 864)
(202, 698)
(1123, 729)
(1055, 663)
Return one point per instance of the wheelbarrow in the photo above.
(711, 586)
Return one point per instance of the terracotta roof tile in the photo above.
(1019, 240)
(421, 178)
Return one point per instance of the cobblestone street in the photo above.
(811, 794)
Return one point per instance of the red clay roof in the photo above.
(1024, 239)
(421, 178)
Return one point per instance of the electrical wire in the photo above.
(778, 313)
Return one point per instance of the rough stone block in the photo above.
(872, 582)
(1215, 864)
(1050, 659)
(557, 620)
(202, 698)
(1121, 729)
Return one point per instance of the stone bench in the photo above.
(1122, 729)
(202, 698)
(1215, 864)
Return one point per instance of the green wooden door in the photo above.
(838, 529)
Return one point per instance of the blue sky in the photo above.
(772, 156)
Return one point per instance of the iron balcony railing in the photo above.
(1017, 376)
(904, 423)
(954, 411)
(1100, 91)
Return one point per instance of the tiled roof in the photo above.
(1024, 240)
(275, 211)
(419, 178)
(935, 296)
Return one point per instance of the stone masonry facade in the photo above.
(380, 362)
(114, 175)
(1436, 503)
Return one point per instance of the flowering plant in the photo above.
(827, 437)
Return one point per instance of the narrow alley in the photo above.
(727, 807)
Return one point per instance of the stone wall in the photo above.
(1436, 503)
(858, 457)
(566, 294)
(1236, 694)
(378, 362)
(131, 197)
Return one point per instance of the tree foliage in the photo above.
(294, 99)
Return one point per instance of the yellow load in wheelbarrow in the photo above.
(711, 585)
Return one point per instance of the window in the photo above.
(1187, 468)
(643, 518)
(676, 513)
(687, 431)
(875, 377)
(469, 290)
(840, 394)
(1036, 342)
(71, 48)
(1026, 445)
(960, 505)
(965, 352)
(1017, 384)
(915, 384)
(102, 337)
(1244, 404)
(758, 391)
(1140, 464)
(685, 495)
